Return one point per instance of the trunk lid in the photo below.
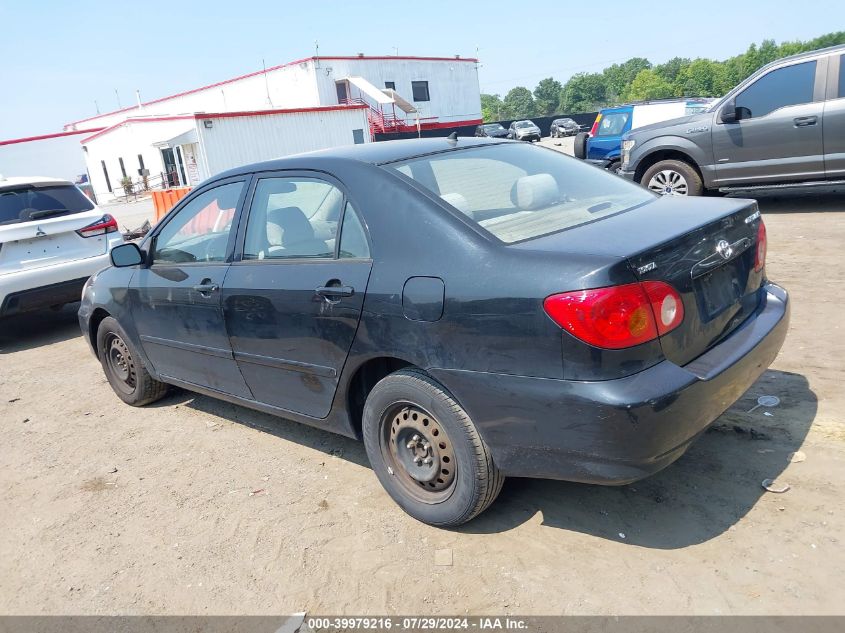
(49, 241)
(705, 248)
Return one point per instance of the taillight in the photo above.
(106, 224)
(595, 128)
(760, 254)
(618, 316)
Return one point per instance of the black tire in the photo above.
(123, 367)
(409, 406)
(580, 148)
(694, 186)
(614, 166)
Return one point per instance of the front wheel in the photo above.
(673, 178)
(426, 451)
(123, 367)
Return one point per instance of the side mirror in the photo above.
(728, 113)
(126, 255)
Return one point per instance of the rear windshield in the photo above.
(613, 124)
(32, 202)
(519, 192)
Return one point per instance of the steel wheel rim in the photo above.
(418, 453)
(120, 363)
(668, 182)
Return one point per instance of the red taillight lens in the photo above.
(106, 224)
(595, 127)
(619, 316)
(666, 304)
(760, 255)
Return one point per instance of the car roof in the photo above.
(16, 181)
(376, 153)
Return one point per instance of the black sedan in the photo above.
(564, 127)
(472, 309)
(491, 130)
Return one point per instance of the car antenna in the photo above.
(452, 138)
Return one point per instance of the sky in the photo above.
(58, 58)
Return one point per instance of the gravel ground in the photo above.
(193, 506)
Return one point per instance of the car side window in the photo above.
(353, 239)
(293, 217)
(783, 87)
(199, 232)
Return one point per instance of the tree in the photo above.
(519, 103)
(619, 76)
(547, 95)
(699, 78)
(584, 92)
(648, 85)
(672, 68)
(492, 108)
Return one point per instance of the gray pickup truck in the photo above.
(782, 127)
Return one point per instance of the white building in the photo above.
(303, 105)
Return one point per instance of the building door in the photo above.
(171, 178)
(180, 161)
(342, 91)
(176, 300)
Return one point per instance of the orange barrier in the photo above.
(164, 200)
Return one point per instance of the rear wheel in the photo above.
(673, 178)
(580, 146)
(124, 369)
(426, 451)
(614, 166)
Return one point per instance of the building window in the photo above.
(122, 167)
(358, 136)
(390, 84)
(420, 90)
(106, 174)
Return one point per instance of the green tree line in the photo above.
(638, 79)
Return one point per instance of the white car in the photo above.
(52, 238)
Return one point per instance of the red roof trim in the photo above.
(293, 63)
(227, 115)
(152, 119)
(43, 137)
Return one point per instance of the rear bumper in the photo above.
(617, 431)
(39, 288)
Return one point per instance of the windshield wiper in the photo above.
(46, 213)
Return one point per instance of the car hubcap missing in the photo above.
(420, 451)
(120, 362)
(668, 183)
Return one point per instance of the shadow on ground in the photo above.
(696, 499)
(36, 329)
(815, 201)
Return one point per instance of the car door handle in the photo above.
(335, 292)
(804, 121)
(206, 287)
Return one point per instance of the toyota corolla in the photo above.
(472, 309)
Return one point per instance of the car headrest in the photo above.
(533, 192)
(458, 201)
(295, 226)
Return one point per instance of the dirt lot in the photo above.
(193, 506)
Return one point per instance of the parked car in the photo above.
(603, 145)
(524, 131)
(784, 126)
(564, 127)
(52, 238)
(492, 130)
(473, 309)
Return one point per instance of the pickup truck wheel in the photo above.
(426, 451)
(580, 147)
(124, 369)
(673, 178)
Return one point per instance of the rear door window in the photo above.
(613, 123)
(33, 202)
(783, 87)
